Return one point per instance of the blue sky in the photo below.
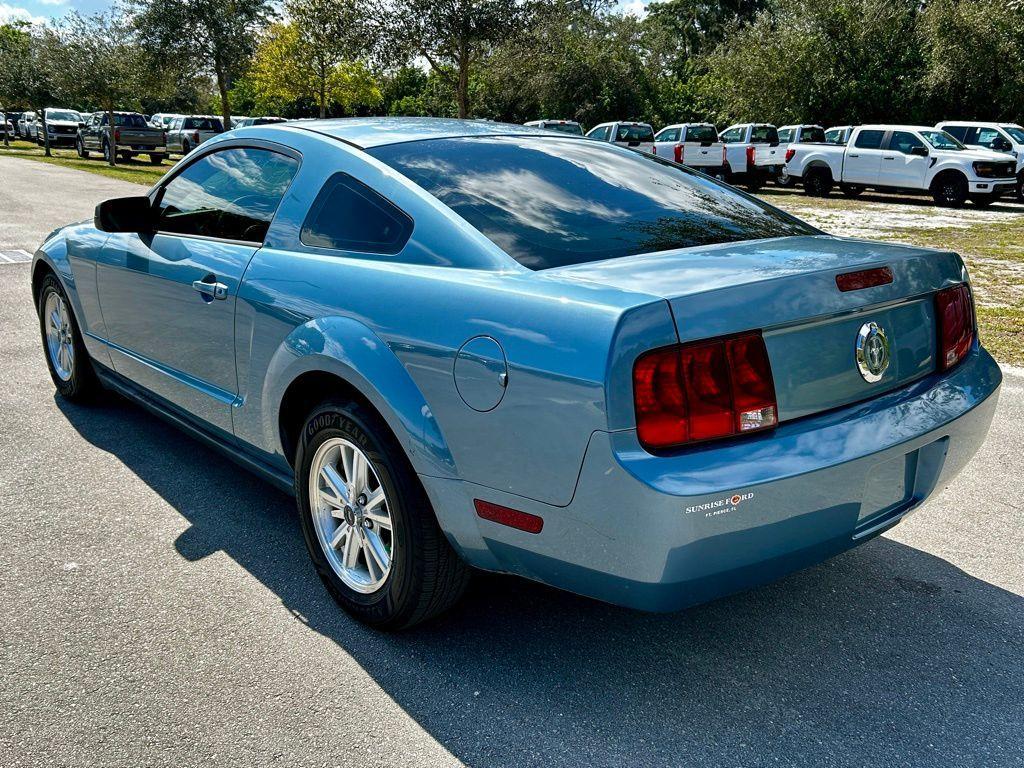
(41, 10)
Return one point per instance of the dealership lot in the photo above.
(158, 608)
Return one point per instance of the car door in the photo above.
(168, 298)
(863, 158)
(900, 167)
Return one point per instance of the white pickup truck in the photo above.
(906, 158)
(638, 136)
(1006, 138)
(693, 144)
(797, 134)
(752, 154)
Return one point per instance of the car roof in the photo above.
(366, 132)
(898, 127)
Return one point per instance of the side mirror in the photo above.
(919, 151)
(125, 214)
(81, 125)
(1002, 145)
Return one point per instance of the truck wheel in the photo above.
(754, 183)
(949, 190)
(1020, 188)
(126, 156)
(784, 179)
(185, 147)
(851, 190)
(106, 151)
(368, 524)
(156, 159)
(818, 182)
(80, 147)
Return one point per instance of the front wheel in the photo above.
(367, 522)
(66, 356)
(950, 191)
(82, 151)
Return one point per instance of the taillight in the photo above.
(789, 154)
(954, 312)
(117, 135)
(195, 137)
(679, 153)
(750, 156)
(703, 391)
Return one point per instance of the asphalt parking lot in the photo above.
(157, 608)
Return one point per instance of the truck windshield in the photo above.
(1015, 132)
(634, 133)
(764, 134)
(702, 133)
(813, 135)
(941, 140)
(550, 201)
(61, 114)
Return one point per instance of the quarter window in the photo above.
(232, 194)
(869, 139)
(349, 216)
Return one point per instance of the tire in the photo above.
(185, 148)
(851, 190)
(784, 180)
(950, 190)
(984, 201)
(754, 184)
(156, 159)
(126, 156)
(424, 575)
(80, 147)
(817, 182)
(1020, 188)
(106, 151)
(66, 356)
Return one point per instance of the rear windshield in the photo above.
(550, 201)
(704, 133)
(812, 135)
(634, 133)
(204, 124)
(130, 121)
(764, 134)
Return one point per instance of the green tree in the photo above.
(30, 59)
(101, 64)
(215, 37)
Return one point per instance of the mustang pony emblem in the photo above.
(872, 352)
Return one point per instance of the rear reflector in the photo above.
(954, 311)
(513, 518)
(866, 278)
(703, 391)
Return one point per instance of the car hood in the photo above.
(979, 154)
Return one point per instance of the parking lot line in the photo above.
(15, 257)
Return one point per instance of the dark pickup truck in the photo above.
(132, 136)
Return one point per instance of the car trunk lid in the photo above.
(787, 289)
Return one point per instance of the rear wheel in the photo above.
(66, 356)
(784, 179)
(367, 522)
(950, 190)
(851, 190)
(185, 147)
(156, 159)
(818, 182)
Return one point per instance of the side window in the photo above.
(903, 142)
(785, 136)
(869, 139)
(349, 216)
(987, 137)
(669, 134)
(232, 194)
(958, 132)
(732, 136)
(600, 133)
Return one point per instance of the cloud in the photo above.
(52, 2)
(10, 13)
(636, 8)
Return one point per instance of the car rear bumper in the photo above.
(662, 533)
(143, 148)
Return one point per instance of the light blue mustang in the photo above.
(467, 344)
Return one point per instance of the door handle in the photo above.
(854, 155)
(211, 290)
(888, 158)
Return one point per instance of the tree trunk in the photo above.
(222, 86)
(111, 135)
(462, 88)
(323, 98)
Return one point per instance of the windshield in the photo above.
(63, 114)
(941, 140)
(703, 133)
(812, 135)
(1015, 132)
(131, 121)
(634, 133)
(549, 201)
(572, 128)
(764, 134)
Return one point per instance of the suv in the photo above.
(905, 158)
(752, 154)
(61, 126)
(792, 134)
(132, 136)
(186, 132)
(561, 126)
(692, 144)
(27, 126)
(639, 136)
(994, 137)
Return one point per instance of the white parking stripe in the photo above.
(15, 257)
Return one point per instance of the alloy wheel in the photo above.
(351, 515)
(59, 336)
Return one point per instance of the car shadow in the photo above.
(1004, 205)
(885, 655)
